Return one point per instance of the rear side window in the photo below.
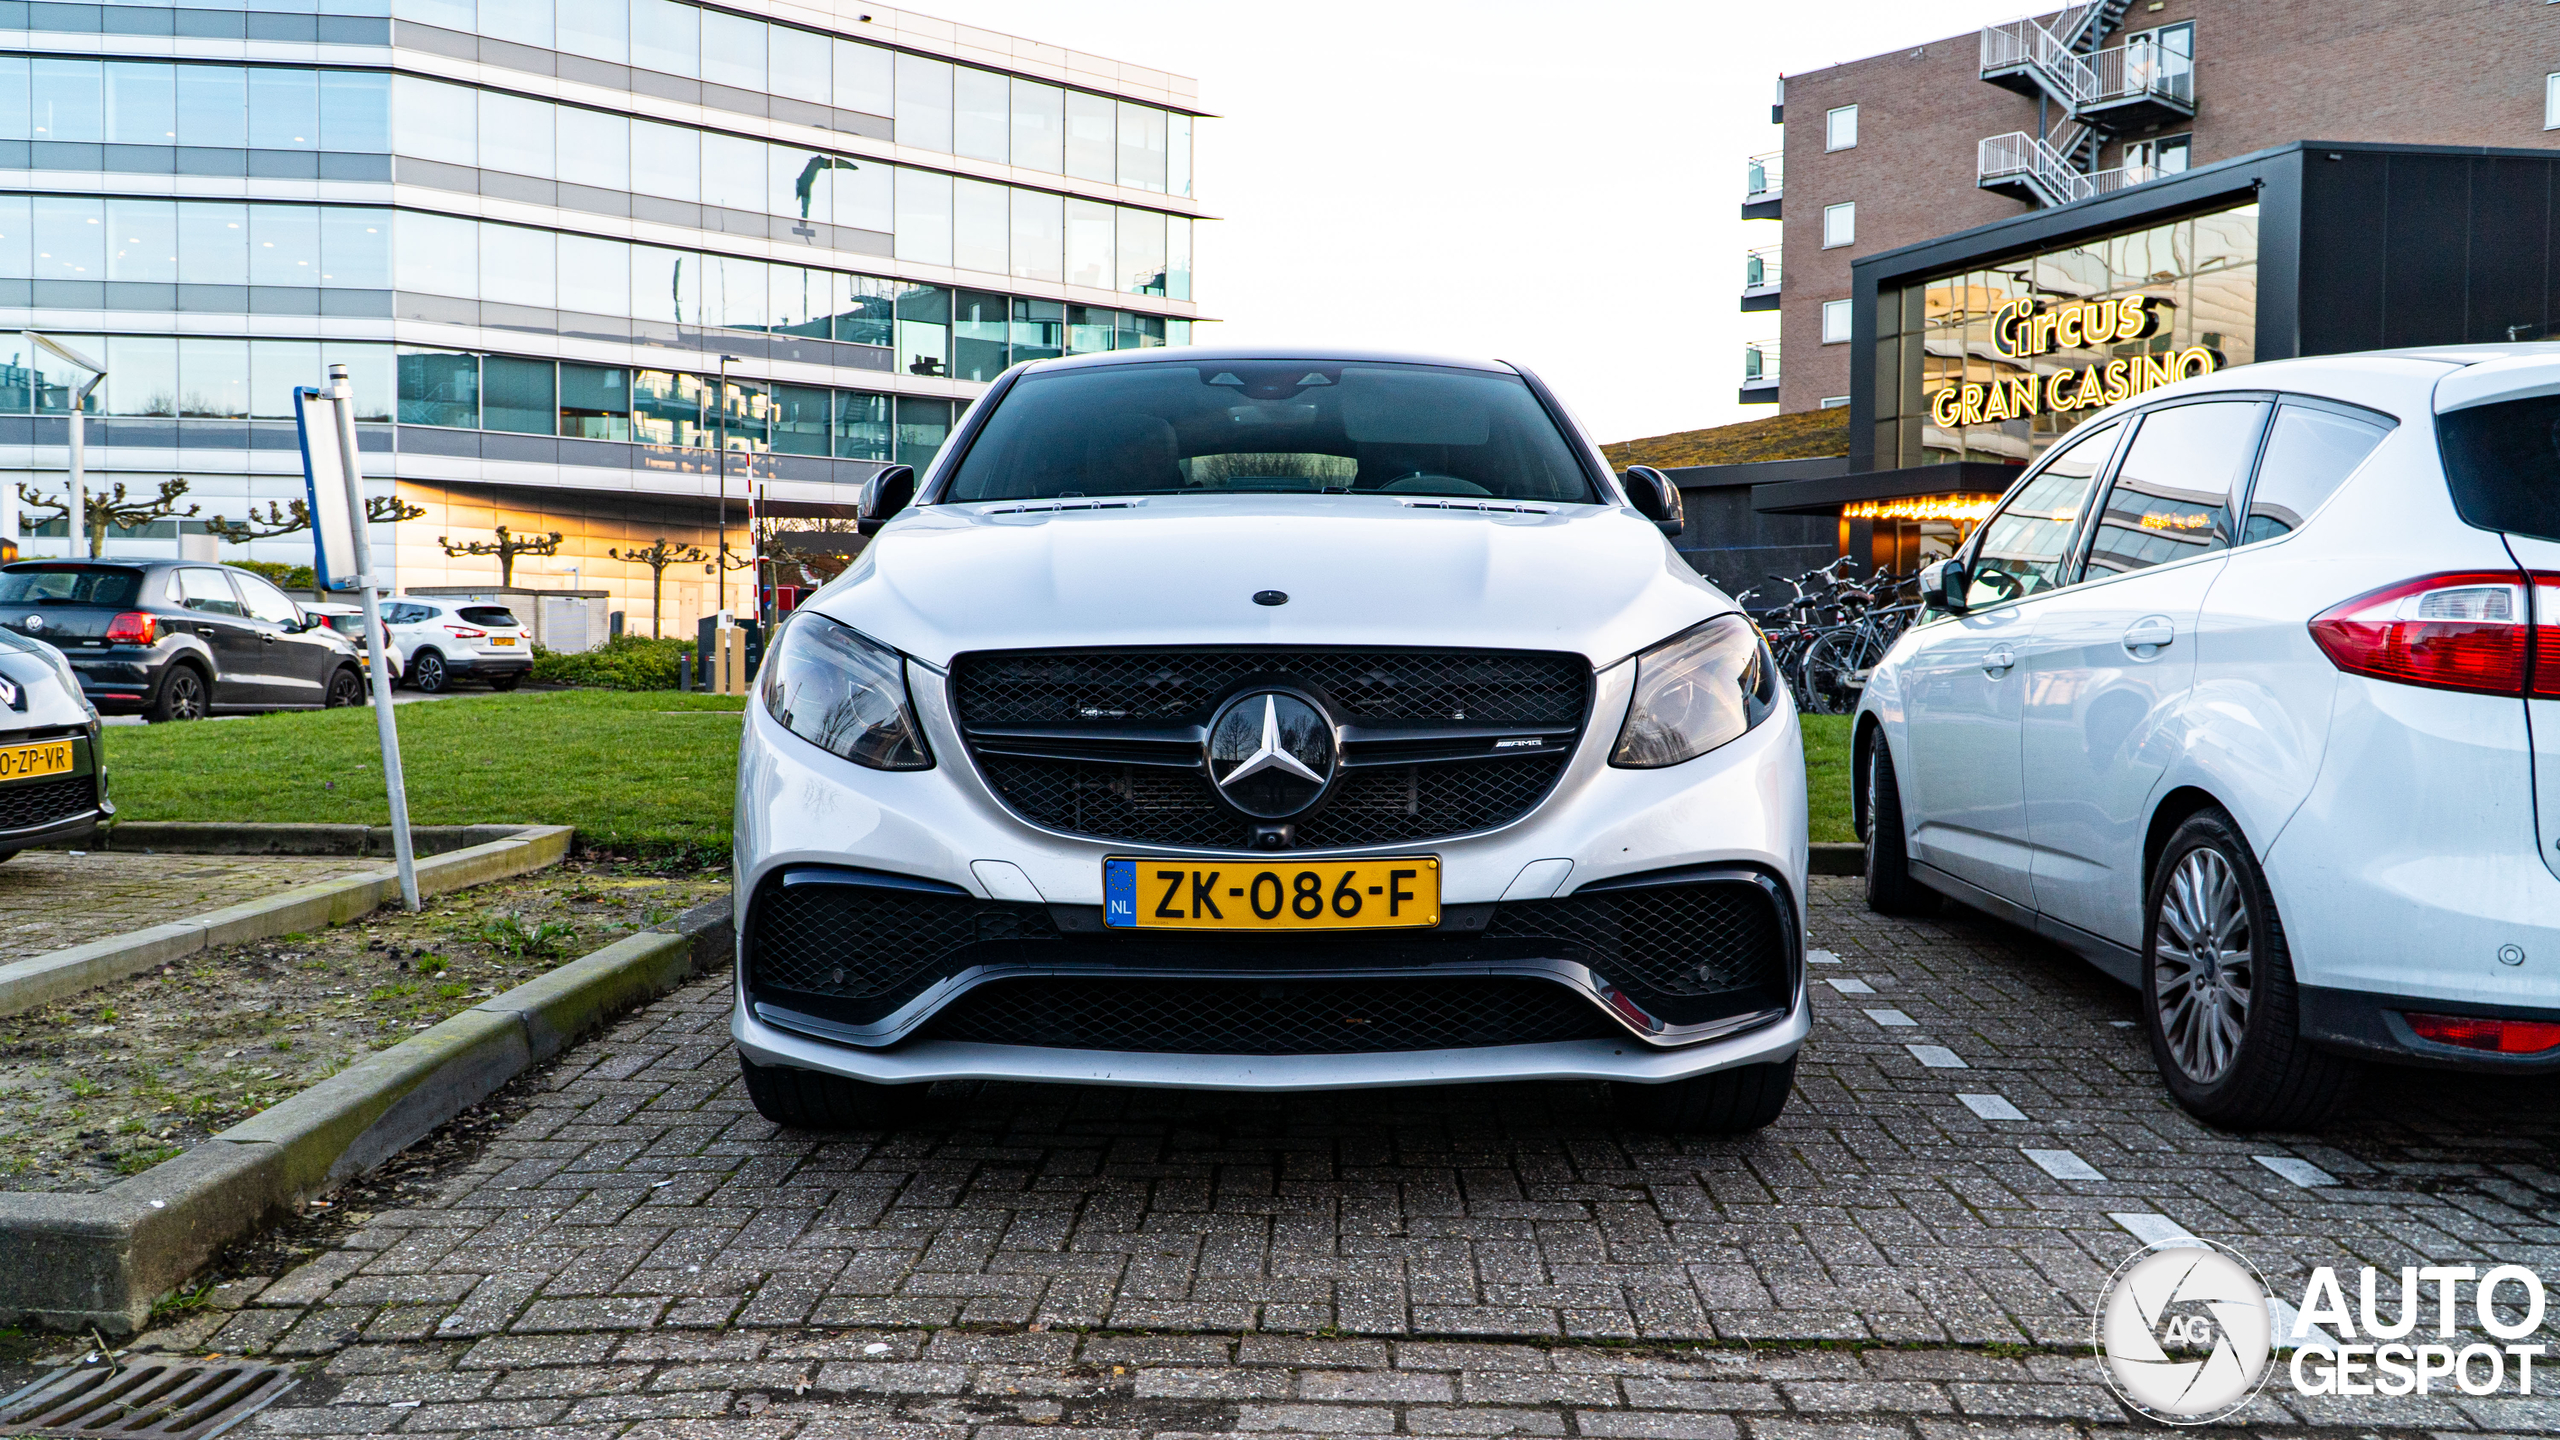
(2503, 462)
(68, 585)
(2022, 547)
(209, 591)
(265, 601)
(2310, 453)
(2172, 495)
(487, 615)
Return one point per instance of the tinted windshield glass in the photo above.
(1270, 427)
(2503, 462)
(68, 585)
(487, 615)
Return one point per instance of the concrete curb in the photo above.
(1831, 858)
(42, 979)
(70, 1261)
(187, 837)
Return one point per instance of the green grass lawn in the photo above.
(1826, 776)
(648, 771)
(644, 771)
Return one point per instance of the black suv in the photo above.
(179, 639)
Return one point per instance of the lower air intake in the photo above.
(25, 807)
(1262, 1017)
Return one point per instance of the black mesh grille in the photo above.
(1162, 805)
(1251, 1017)
(26, 806)
(1495, 687)
(1677, 942)
(856, 943)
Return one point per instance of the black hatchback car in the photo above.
(179, 640)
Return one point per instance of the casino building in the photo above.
(613, 268)
(2142, 210)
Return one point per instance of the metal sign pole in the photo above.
(342, 401)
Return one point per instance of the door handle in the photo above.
(1997, 662)
(2148, 636)
(205, 630)
(270, 639)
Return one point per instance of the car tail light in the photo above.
(133, 628)
(2468, 630)
(466, 632)
(2503, 1037)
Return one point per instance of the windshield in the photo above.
(1270, 427)
(68, 585)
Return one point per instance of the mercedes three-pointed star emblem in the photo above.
(1271, 753)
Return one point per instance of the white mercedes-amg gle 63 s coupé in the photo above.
(1267, 721)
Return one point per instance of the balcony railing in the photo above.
(2027, 44)
(1761, 268)
(1760, 363)
(2140, 71)
(1765, 178)
(2019, 158)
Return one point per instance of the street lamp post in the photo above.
(79, 497)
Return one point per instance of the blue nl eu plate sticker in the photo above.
(1120, 892)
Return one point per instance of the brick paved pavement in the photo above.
(50, 899)
(638, 1249)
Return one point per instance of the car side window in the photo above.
(265, 601)
(2022, 548)
(2310, 453)
(2172, 496)
(209, 591)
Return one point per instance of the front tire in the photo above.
(1723, 1102)
(182, 696)
(1890, 888)
(812, 1100)
(428, 674)
(346, 687)
(2219, 999)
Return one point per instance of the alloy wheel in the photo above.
(2203, 966)
(186, 696)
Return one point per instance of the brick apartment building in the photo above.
(2180, 84)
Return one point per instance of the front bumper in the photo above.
(57, 809)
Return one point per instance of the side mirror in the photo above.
(883, 496)
(1653, 495)
(1943, 586)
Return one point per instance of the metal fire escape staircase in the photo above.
(2099, 91)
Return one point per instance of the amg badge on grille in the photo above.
(1271, 753)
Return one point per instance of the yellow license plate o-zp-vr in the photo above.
(25, 762)
(1395, 893)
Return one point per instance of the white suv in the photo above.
(2262, 731)
(436, 642)
(1266, 721)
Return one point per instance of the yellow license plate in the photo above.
(25, 762)
(1399, 893)
(502, 639)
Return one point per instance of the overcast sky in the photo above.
(1551, 184)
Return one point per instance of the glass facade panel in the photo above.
(355, 111)
(862, 194)
(1039, 330)
(1089, 329)
(1038, 249)
(862, 78)
(213, 378)
(284, 245)
(142, 375)
(862, 426)
(597, 29)
(371, 375)
(981, 123)
(276, 369)
(516, 268)
(666, 37)
(981, 226)
(1091, 130)
(13, 105)
(798, 299)
(979, 332)
(800, 420)
(595, 275)
(924, 330)
(431, 120)
(733, 50)
(868, 315)
(924, 102)
(1141, 257)
(740, 416)
(515, 134)
(142, 244)
(14, 234)
(924, 216)
(595, 148)
(444, 14)
(663, 283)
(666, 409)
(733, 172)
(922, 427)
(733, 292)
(1091, 231)
(1143, 143)
(1177, 258)
(595, 402)
(67, 100)
(213, 106)
(526, 22)
(666, 161)
(1039, 126)
(355, 247)
(284, 108)
(517, 395)
(797, 62)
(213, 244)
(71, 237)
(142, 104)
(1999, 362)
(1178, 156)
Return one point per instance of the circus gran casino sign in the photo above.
(2023, 329)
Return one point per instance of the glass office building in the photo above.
(599, 266)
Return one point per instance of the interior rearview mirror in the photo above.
(1654, 496)
(883, 496)
(1943, 586)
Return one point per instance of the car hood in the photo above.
(1358, 570)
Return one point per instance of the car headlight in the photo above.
(1697, 690)
(844, 692)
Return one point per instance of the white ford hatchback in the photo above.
(2245, 693)
(1263, 721)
